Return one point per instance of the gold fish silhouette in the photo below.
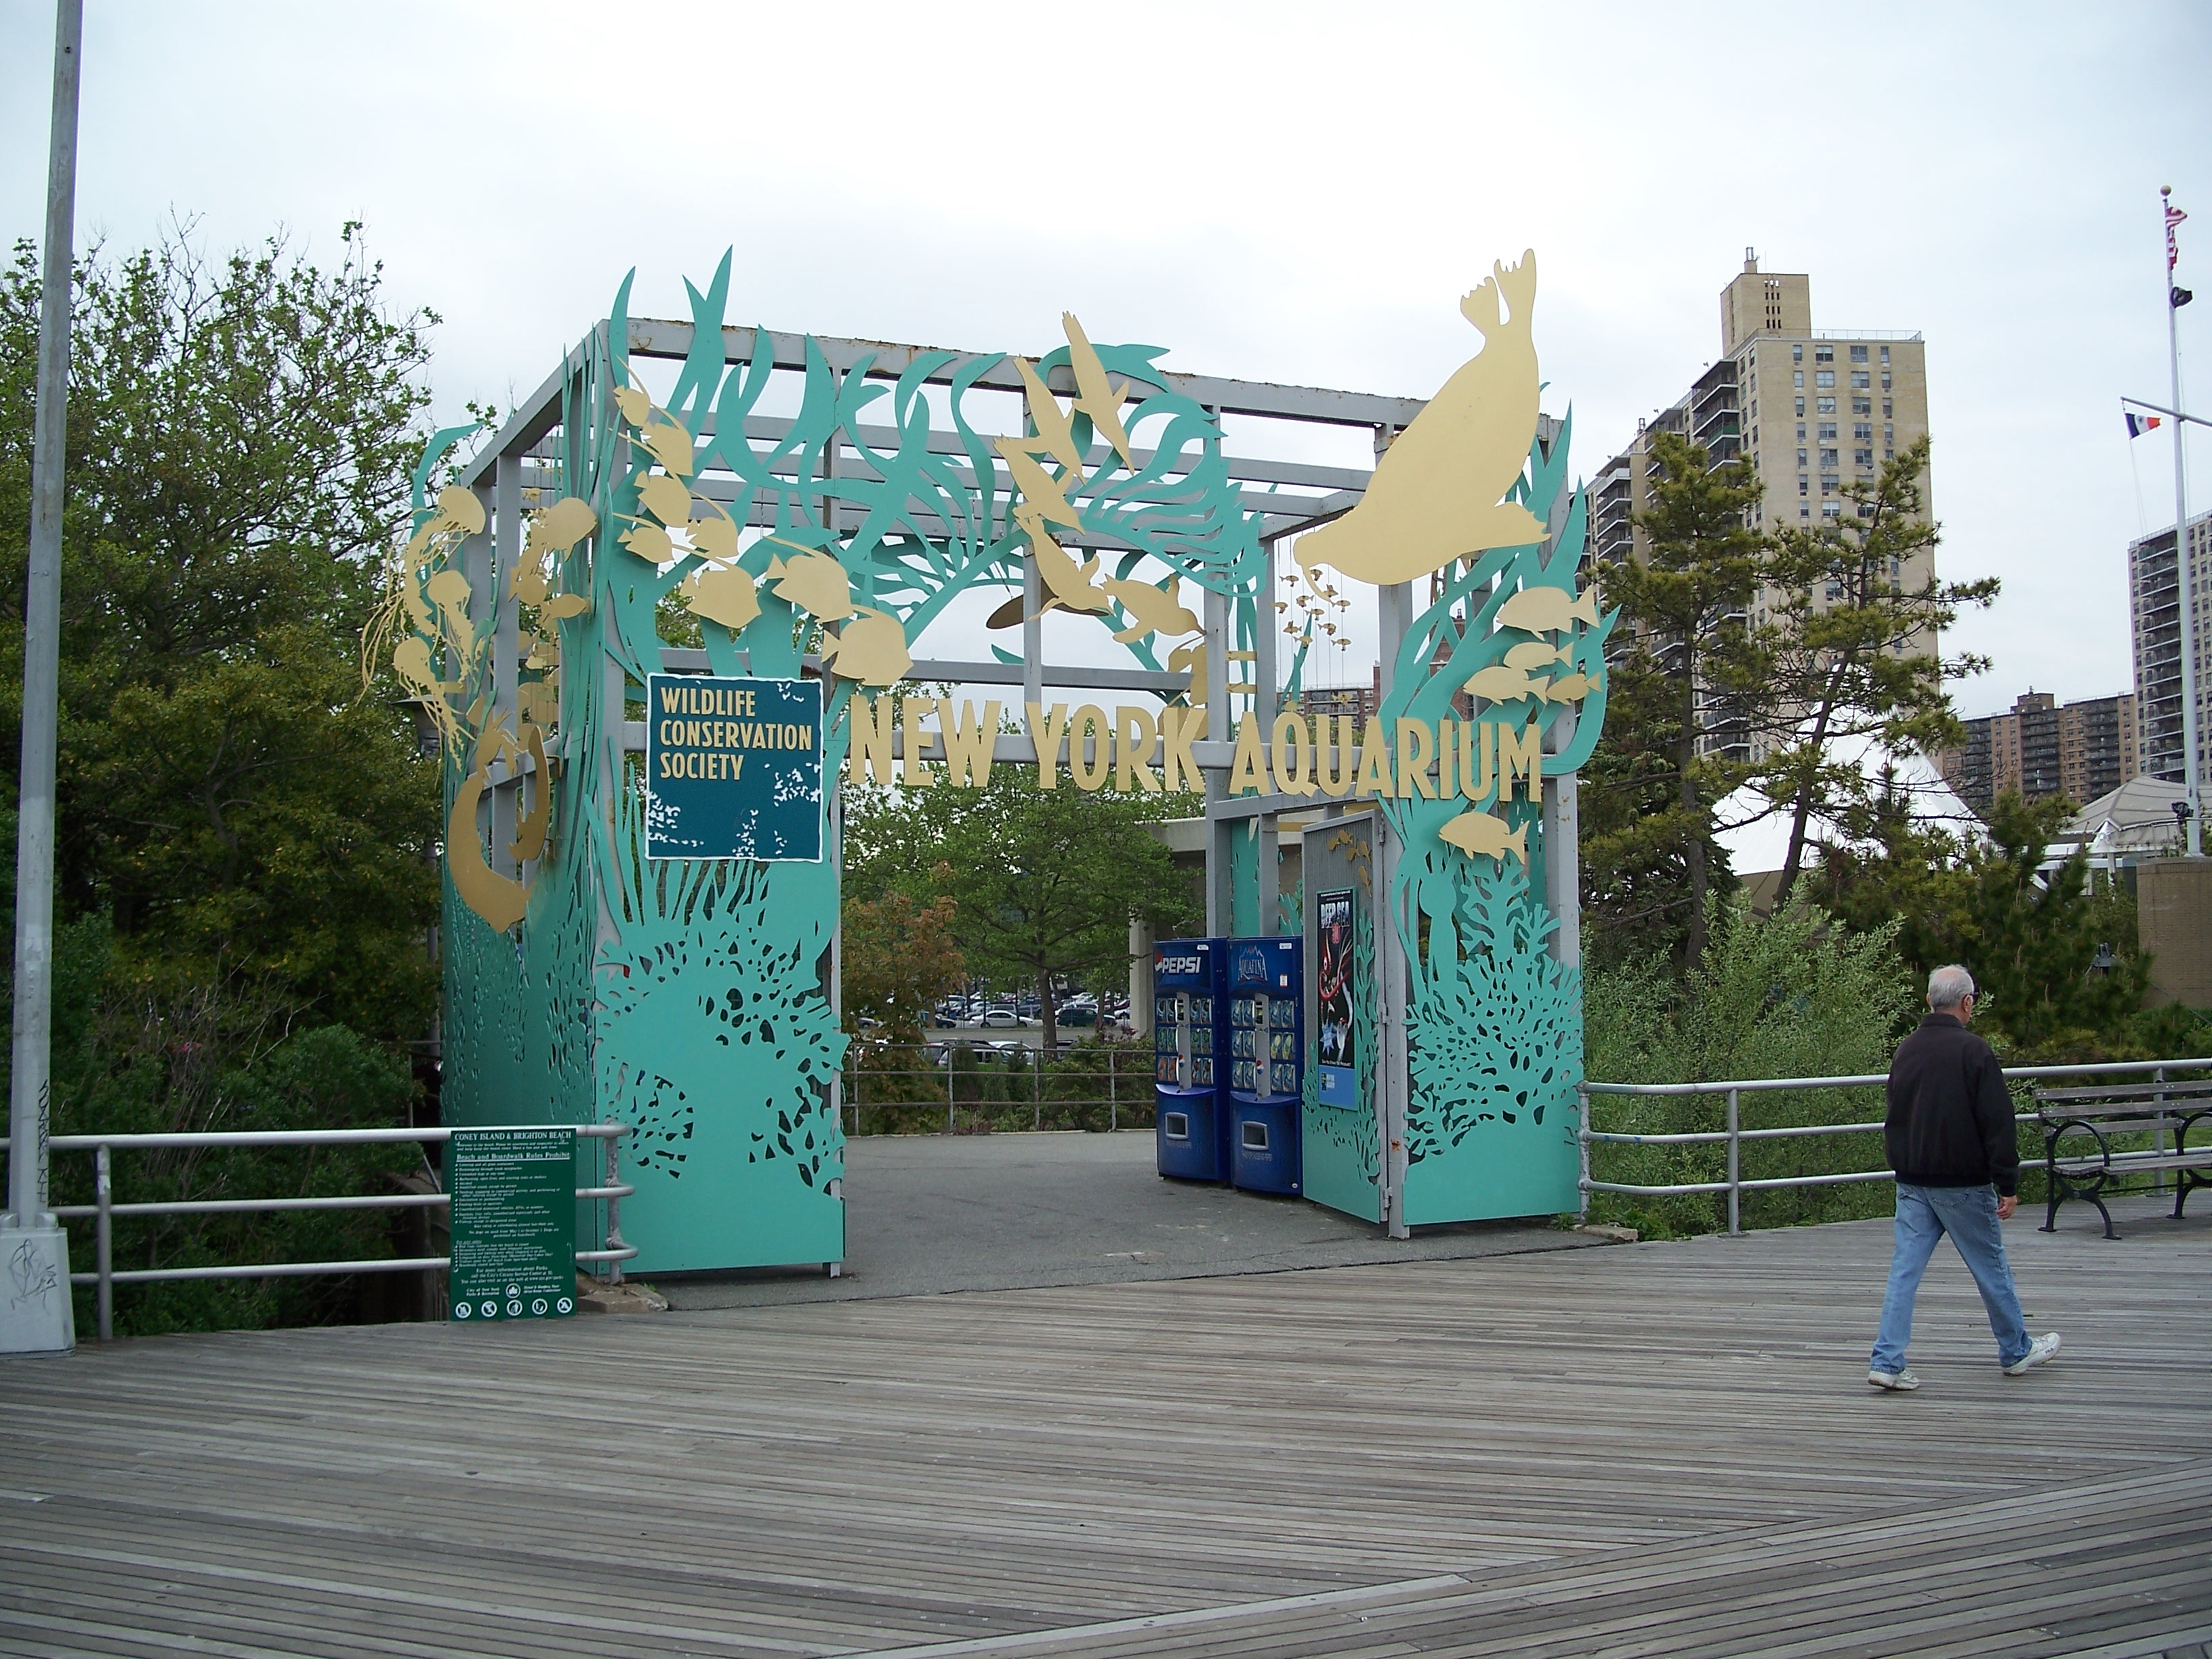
(1546, 610)
(716, 535)
(1532, 654)
(666, 497)
(722, 594)
(1436, 492)
(1152, 609)
(812, 580)
(649, 541)
(1573, 688)
(1499, 683)
(557, 528)
(871, 648)
(1474, 833)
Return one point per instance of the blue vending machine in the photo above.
(1266, 1077)
(1190, 1042)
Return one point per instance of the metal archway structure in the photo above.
(814, 505)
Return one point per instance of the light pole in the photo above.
(35, 1312)
(2174, 301)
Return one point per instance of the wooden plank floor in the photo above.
(1648, 1449)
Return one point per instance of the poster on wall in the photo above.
(733, 767)
(1339, 1064)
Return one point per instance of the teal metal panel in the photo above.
(1494, 1021)
(692, 999)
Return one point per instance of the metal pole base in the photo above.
(36, 1313)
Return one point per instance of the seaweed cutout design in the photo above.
(1494, 1024)
(1500, 1040)
(692, 1000)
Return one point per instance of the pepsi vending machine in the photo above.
(1190, 1047)
(1267, 1075)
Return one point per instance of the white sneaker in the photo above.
(2043, 1348)
(1901, 1382)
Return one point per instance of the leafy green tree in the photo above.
(2034, 938)
(1650, 801)
(1849, 652)
(1792, 994)
(1043, 882)
(898, 958)
(244, 890)
(241, 434)
(2031, 939)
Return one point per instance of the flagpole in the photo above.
(2195, 830)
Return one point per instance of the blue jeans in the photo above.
(1969, 1214)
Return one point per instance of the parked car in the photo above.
(1078, 1014)
(998, 1019)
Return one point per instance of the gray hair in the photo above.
(1948, 986)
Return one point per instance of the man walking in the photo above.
(1951, 1140)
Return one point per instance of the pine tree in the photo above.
(1692, 662)
(1849, 653)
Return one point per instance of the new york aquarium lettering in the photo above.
(659, 627)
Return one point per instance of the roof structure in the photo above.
(2137, 818)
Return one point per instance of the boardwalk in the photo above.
(1651, 1449)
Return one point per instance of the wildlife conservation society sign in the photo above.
(733, 767)
(514, 1223)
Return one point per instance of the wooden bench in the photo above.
(2080, 1127)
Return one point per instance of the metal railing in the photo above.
(103, 1209)
(1733, 1135)
(1081, 1086)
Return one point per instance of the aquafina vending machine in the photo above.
(1267, 1065)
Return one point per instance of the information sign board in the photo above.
(513, 1196)
(733, 767)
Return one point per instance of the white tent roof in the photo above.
(1757, 839)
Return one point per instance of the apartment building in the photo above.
(2037, 749)
(2155, 609)
(1813, 411)
(1359, 701)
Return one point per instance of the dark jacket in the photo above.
(1950, 1121)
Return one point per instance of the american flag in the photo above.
(2174, 216)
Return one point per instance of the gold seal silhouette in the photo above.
(1436, 492)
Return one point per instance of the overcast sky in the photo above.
(1277, 192)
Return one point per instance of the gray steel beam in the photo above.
(534, 417)
(656, 338)
(679, 659)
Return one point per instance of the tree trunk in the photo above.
(1045, 1011)
(1802, 814)
(1693, 849)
